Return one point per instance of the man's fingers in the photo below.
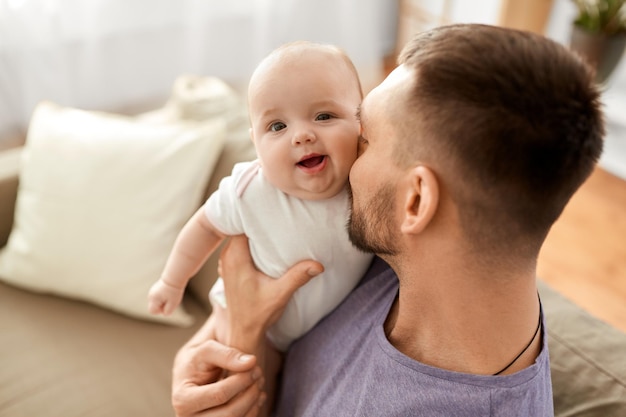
(235, 253)
(237, 393)
(247, 404)
(297, 276)
(256, 404)
(216, 354)
(199, 391)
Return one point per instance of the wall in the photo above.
(614, 96)
(116, 54)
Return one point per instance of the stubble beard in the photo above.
(371, 228)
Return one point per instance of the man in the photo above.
(469, 152)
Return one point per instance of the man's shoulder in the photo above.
(325, 374)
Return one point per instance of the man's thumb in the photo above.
(298, 275)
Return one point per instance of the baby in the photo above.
(291, 202)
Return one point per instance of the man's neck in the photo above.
(466, 318)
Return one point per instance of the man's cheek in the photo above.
(353, 175)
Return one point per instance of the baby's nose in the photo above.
(303, 136)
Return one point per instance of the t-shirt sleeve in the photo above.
(222, 208)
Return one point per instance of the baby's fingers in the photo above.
(168, 308)
(155, 306)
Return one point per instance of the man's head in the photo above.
(498, 127)
(302, 100)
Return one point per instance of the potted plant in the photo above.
(599, 34)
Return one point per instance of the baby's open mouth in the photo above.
(312, 161)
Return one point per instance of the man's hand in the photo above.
(197, 389)
(256, 301)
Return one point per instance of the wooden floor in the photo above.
(584, 256)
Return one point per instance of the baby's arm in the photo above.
(194, 244)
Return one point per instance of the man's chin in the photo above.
(370, 227)
(361, 246)
(357, 236)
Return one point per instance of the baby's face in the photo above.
(304, 125)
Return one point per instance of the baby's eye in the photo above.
(323, 116)
(277, 126)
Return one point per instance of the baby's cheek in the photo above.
(350, 154)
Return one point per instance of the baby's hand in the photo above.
(163, 298)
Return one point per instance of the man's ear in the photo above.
(421, 200)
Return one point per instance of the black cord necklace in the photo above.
(528, 345)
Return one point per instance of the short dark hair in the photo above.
(518, 117)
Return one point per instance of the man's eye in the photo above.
(323, 116)
(275, 127)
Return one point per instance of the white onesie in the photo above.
(283, 230)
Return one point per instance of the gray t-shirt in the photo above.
(345, 366)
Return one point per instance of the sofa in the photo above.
(71, 354)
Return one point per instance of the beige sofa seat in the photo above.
(69, 358)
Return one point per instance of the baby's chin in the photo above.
(319, 193)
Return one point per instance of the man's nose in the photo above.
(303, 136)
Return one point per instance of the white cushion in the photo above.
(100, 202)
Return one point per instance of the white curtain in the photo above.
(111, 54)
